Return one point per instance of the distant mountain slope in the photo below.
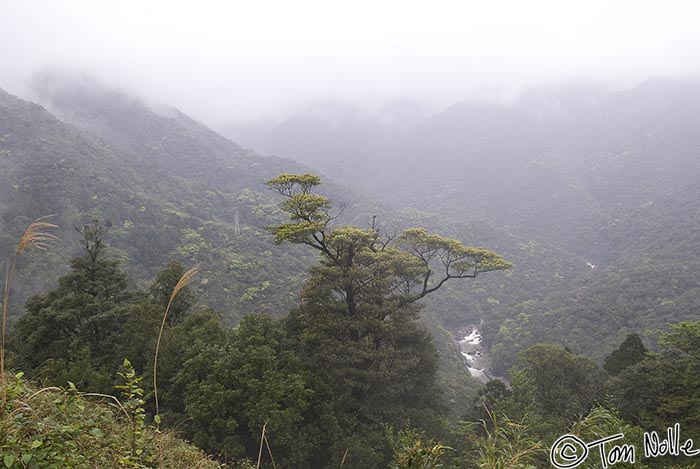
(653, 281)
(522, 165)
(608, 178)
(204, 162)
(158, 207)
(173, 189)
(337, 138)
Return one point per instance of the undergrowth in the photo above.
(60, 427)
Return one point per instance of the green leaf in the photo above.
(36, 444)
(96, 432)
(9, 460)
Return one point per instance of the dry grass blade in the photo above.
(269, 451)
(35, 236)
(182, 283)
(50, 388)
(262, 440)
(107, 396)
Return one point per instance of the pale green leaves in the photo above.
(455, 257)
(291, 184)
(351, 240)
(308, 212)
(308, 207)
(300, 232)
(481, 260)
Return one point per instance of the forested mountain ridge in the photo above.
(555, 160)
(593, 176)
(157, 213)
(174, 190)
(205, 164)
(565, 200)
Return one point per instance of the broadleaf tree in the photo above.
(356, 323)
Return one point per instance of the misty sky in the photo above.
(246, 59)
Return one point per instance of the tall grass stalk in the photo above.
(182, 283)
(34, 237)
(263, 439)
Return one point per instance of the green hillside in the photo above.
(586, 177)
(206, 180)
(177, 199)
(560, 179)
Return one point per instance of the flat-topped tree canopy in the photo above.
(421, 262)
(450, 257)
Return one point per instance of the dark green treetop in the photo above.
(630, 352)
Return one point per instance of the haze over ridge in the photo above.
(222, 61)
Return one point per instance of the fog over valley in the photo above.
(233, 60)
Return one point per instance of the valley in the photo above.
(592, 197)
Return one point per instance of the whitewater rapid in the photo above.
(477, 362)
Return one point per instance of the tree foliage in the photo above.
(630, 352)
(356, 324)
(420, 263)
(557, 382)
(664, 387)
(69, 333)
